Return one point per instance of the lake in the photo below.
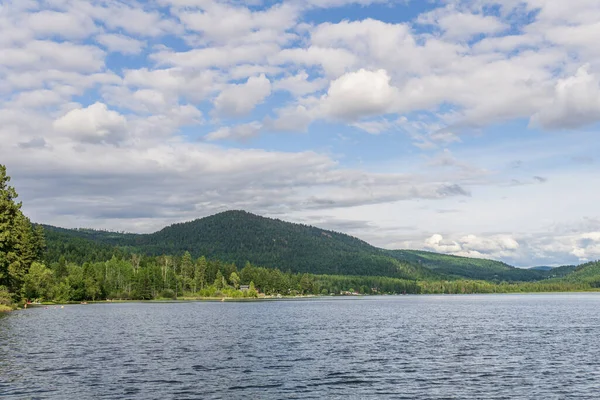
(538, 346)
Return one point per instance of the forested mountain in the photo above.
(588, 273)
(239, 236)
(465, 267)
(541, 268)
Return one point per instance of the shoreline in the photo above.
(275, 298)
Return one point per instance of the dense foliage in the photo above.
(154, 277)
(238, 236)
(588, 273)
(20, 243)
(471, 268)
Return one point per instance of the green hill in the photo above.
(239, 236)
(588, 273)
(542, 268)
(465, 267)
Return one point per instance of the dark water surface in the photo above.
(413, 347)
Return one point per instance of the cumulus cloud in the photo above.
(120, 43)
(291, 119)
(192, 84)
(333, 61)
(299, 84)
(586, 247)
(576, 102)
(46, 54)
(237, 132)
(496, 246)
(437, 243)
(94, 124)
(67, 25)
(462, 25)
(222, 56)
(359, 94)
(239, 99)
(243, 25)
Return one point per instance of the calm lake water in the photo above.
(401, 347)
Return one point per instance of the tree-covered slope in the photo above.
(239, 236)
(82, 245)
(588, 273)
(466, 267)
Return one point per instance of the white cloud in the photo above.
(359, 94)
(132, 19)
(373, 44)
(243, 25)
(94, 124)
(120, 44)
(291, 119)
(68, 25)
(375, 127)
(576, 102)
(495, 246)
(37, 98)
(437, 243)
(334, 62)
(239, 99)
(194, 85)
(224, 56)
(462, 25)
(46, 54)
(299, 84)
(586, 246)
(237, 132)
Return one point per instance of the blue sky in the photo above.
(467, 127)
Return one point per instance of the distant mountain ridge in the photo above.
(240, 236)
(542, 268)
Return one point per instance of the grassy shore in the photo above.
(184, 299)
(4, 308)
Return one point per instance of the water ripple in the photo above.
(405, 347)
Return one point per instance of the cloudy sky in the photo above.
(467, 127)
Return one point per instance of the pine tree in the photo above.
(39, 242)
(10, 211)
(200, 272)
(187, 270)
(20, 244)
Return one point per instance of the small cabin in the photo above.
(244, 288)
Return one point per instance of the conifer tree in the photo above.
(10, 211)
(20, 244)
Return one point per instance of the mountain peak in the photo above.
(239, 236)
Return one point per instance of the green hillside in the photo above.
(239, 236)
(464, 267)
(588, 273)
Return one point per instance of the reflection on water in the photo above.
(480, 346)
